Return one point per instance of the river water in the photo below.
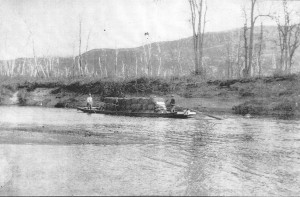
(46, 151)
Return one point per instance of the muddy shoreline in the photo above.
(269, 96)
(44, 97)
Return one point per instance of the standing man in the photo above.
(89, 101)
(172, 103)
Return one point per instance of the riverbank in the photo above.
(275, 96)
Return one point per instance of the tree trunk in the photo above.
(198, 26)
(248, 71)
(245, 70)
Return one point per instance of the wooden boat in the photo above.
(181, 114)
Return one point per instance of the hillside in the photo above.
(170, 58)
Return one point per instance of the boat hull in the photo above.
(137, 114)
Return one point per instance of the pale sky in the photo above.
(113, 23)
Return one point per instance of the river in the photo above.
(48, 151)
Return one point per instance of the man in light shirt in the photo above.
(89, 101)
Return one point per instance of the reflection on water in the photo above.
(235, 156)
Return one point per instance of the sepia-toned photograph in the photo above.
(149, 97)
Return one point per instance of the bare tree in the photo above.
(147, 47)
(150, 69)
(198, 16)
(145, 59)
(179, 66)
(238, 61)
(260, 50)
(86, 50)
(233, 55)
(249, 46)
(105, 63)
(136, 65)
(124, 70)
(35, 58)
(159, 55)
(116, 60)
(228, 60)
(288, 33)
(100, 66)
(74, 60)
(251, 41)
(245, 30)
(79, 47)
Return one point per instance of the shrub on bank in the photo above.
(253, 107)
(22, 97)
(282, 107)
(245, 92)
(285, 106)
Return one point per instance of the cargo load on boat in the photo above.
(135, 104)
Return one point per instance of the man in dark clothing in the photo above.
(172, 103)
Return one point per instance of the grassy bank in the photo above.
(276, 95)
